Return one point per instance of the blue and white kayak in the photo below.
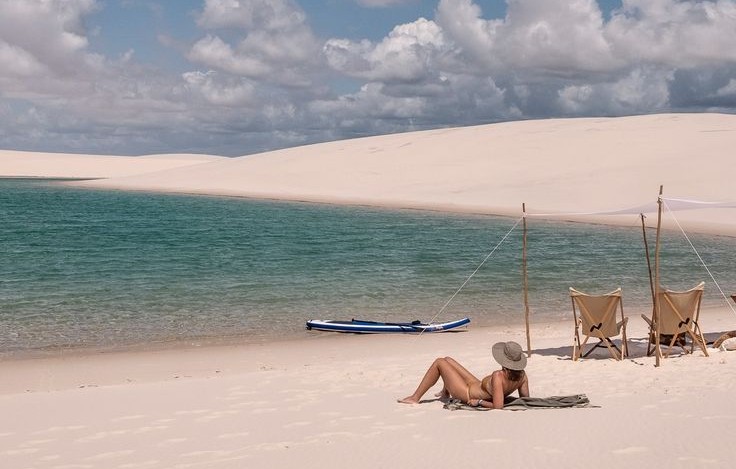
(373, 327)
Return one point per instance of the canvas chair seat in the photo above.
(595, 316)
(679, 316)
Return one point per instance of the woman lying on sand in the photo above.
(462, 384)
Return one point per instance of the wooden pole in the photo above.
(657, 308)
(649, 261)
(526, 282)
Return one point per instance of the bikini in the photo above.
(483, 387)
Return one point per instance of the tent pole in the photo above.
(657, 306)
(526, 282)
(646, 251)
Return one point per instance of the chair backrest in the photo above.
(677, 308)
(598, 311)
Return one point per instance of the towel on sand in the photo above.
(524, 403)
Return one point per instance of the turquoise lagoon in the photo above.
(90, 269)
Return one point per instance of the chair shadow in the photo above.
(637, 348)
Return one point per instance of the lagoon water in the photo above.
(84, 268)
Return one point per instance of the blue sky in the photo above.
(235, 77)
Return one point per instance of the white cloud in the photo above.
(408, 54)
(557, 57)
(641, 91)
(373, 104)
(474, 37)
(259, 77)
(383, 3)
(276, 42)
(43, 46)
(674, 33)
(272, 15)
(214, 52)
(728, 90)
(564, 37)
(18, 62)
(229, 93)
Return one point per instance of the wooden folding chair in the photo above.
(598, 320)
(679, 315)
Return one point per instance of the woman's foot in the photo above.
(408, 400)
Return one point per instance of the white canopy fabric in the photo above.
(673, 204)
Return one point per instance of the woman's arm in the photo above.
(524, 388)
(497, 386)
(496, 393)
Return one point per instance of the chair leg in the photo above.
(620, 355)
(577, 347)
(697, 336)
(624, 349)
(624, 343)
(611, 347)
(581, 348)
(650, 344)
(702, 339)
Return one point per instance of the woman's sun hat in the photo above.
(509, 355)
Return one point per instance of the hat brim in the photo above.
(498, 354)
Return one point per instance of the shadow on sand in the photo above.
(637, 348)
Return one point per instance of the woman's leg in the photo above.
(467, 376)
(454, 382)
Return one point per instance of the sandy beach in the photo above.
(329, 400)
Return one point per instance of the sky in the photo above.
(231, 78)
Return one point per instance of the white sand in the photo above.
(60, 165)
(329, 400)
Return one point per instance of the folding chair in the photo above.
(679, 314)
(598, 320)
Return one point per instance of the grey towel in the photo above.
(552, 402)
(524, 403)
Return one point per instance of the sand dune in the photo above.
(565, 166)
(60, 165)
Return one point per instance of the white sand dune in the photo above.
(329, 400)
(60, 165)
(566, 166)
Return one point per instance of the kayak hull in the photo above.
(374, 327)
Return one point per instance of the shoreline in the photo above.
(701, 227)
(120, 366)
(567, 167)
(544, 321)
